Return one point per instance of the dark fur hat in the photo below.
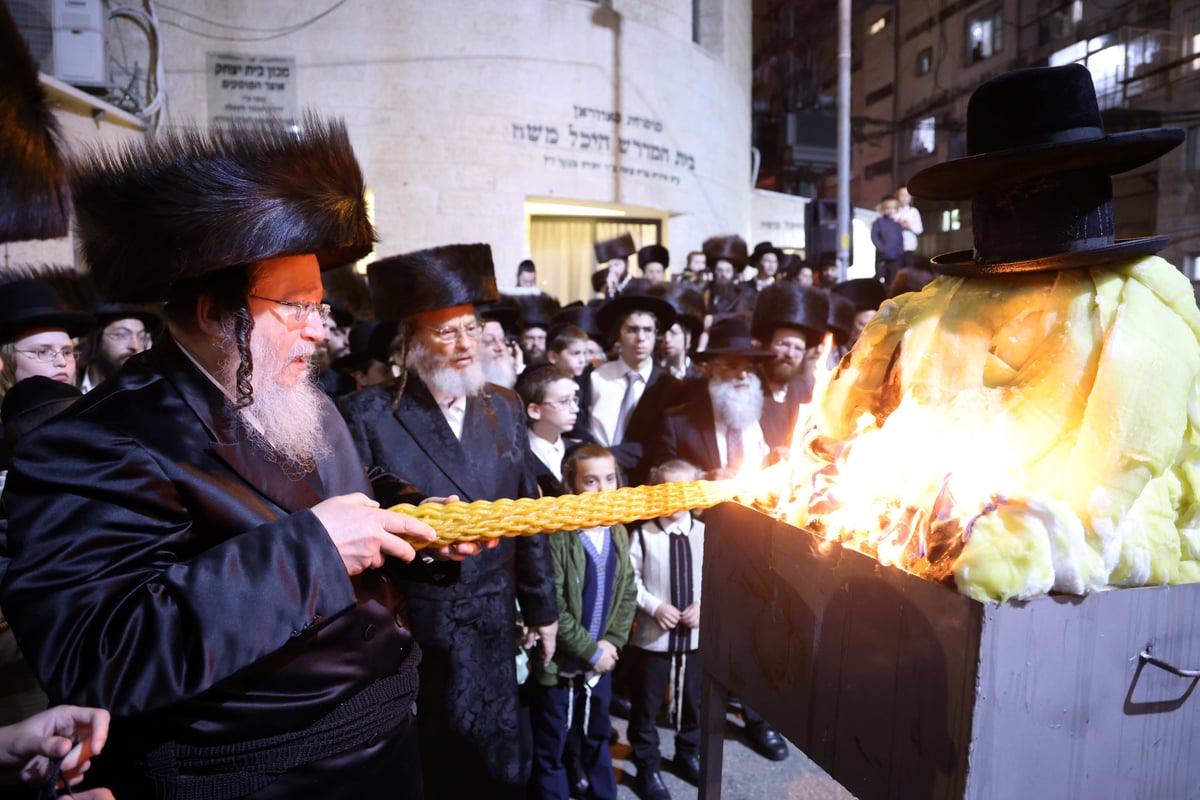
(426, 280)
(728, 248)
(786, 306)
(192, 202)
(654, 254)
(620, 247)
(33, 195)
(347, 291)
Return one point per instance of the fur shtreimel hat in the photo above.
(426, 280)
(620, 247)
(726, 248)
(784, 306)
(33, 193)
(192, 202)
(654, 254)
(1037, 172)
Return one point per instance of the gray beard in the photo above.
(285, 420)
(443, 380)
(499, 371)
(737, 408)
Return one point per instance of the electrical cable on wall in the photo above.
(272, 33)
(146, 18)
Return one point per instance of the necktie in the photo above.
(735, 452)
(627, 404)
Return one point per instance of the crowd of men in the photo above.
(198, 572)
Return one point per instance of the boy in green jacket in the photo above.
(597, 599)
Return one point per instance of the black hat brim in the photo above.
(618, 307)
(75, 323)
(962, 262)
(752, 353)
(152, 321)
(961, 178)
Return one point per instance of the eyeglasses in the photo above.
(124, 335)
(566, 402)
(301, 311)
(50, 354)
(448, 334)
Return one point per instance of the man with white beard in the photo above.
(719, 431)
(195, 545)
(452, 433)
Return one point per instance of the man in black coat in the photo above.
(788, 319)
(193, 545)
(454, 434)
(720, 429)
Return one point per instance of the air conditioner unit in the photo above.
(65, 37)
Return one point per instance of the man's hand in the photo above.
(458, 551)
(608, 657)
(690, 616)
(364, 533)
(666, 615)
(70, 733)
(547, 635)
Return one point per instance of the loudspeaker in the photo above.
(820, 233)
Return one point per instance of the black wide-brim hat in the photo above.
(428, 280)
(33, 178)
(841, 318)
(30, 304)
(190, 202)
(1029, 125)
(504, 311)
(616, 309)
(536, 310)
(731, 337)
(111, 312)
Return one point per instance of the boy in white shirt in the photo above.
(667, 555)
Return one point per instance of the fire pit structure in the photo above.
(900, 687)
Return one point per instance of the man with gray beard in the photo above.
(721, 430)
(195, 545)
(452, 433)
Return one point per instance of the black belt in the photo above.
(223, 772)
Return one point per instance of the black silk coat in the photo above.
(164, 569)
(468, 703)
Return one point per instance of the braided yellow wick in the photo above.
(492, 519)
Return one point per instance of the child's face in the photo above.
(596, 475)
(559, 407)
(573, 358)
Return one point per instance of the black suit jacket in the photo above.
(689, 431)
(663, 390)
(469, 718)
(164, 568)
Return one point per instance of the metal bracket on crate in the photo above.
(1146, 658)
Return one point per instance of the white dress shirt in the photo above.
(608, 390)
(454, 409)
(652, 575)
(914, 229)
(549, 453)
(754, 444)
